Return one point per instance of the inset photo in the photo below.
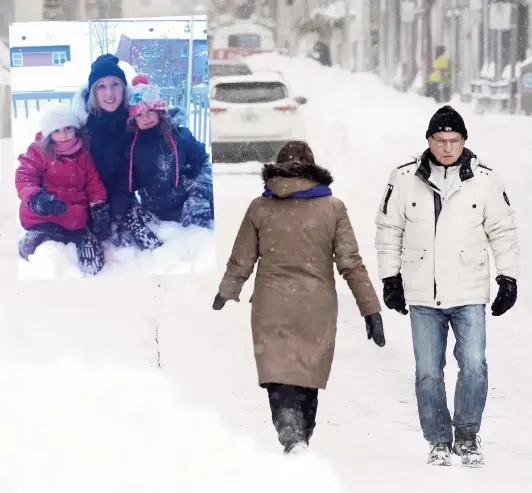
(111, 129)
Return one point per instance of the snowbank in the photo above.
(86, 408)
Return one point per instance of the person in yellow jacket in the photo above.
(439, 83)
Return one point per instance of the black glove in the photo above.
(101, 221)
(394, 294)
(219, 302)
(45, 204)
(506, 297)
(375, 329)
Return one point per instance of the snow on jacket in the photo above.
(72, 179)
(440, 244)
(155, 171)
(296, 241)
(109, 141)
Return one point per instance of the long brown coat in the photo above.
(294, 303)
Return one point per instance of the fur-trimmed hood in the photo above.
(296, 169)
(287, 178)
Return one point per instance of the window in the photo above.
(59, 57)
(247, 41)
(184, 51)
(250, 92)
(17, 60)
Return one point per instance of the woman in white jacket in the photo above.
(438, 216)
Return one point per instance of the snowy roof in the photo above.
(52, 34)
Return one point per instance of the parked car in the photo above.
(224, 68)
(252, 116)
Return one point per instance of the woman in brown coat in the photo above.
(297, 230)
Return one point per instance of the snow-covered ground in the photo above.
(85, 406)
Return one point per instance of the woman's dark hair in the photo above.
(48, 149)
(296, 150)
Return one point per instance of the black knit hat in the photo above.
(103, 66)
(446, 119)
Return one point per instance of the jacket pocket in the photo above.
(475, 264)
(414, 269)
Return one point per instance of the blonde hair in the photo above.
(92, 104)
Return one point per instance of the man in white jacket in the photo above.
(438, 216)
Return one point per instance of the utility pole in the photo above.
(383, 37)
(190, 67)
(513, 56)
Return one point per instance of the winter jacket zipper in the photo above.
(437, 211)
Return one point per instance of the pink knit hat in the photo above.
(145, 96)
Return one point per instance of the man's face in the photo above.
(447, 147)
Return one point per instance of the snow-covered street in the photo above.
(85, 407)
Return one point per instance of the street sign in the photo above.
(500, 16)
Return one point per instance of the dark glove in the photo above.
(196, 210)
(394, 294)
(506, 297)
(101, 221)
(45, 204)
(219, 302)
(375, 329)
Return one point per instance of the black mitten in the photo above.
(101, 221)
(196, 211)
(394, 294)
(45, 204)
(219, 302)
(375, 329)
(506, 297)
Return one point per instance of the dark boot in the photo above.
(37, 235)
(90, 254)
(466, 445)
(135, 223)
(290, 427)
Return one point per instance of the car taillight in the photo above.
(218, 110)
(286, 108)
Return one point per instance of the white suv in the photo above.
(252, 116)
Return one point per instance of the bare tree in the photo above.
(105, 35)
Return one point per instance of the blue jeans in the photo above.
(430, 327)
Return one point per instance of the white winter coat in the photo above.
(444, 262)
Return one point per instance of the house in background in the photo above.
(35, 48)
(39, 56)
(165, 59)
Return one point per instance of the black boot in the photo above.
(144, 237)
(90, 254)
(39, 234)
(466, 445)
(290, 427)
